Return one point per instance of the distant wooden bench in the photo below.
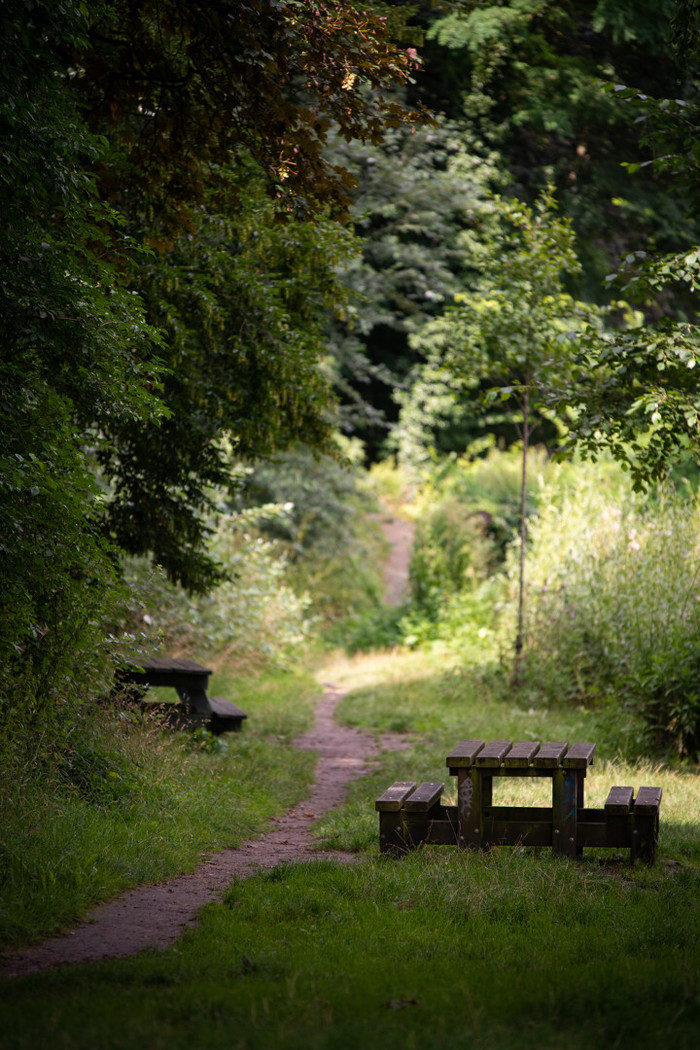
(190, 680)
(411, 814)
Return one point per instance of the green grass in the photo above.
(146, 804)
(509, 948)
(501, 950)
(408, 693)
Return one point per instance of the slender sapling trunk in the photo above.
(523, 536)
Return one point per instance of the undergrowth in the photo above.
(127, 802)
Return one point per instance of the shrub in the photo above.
(253, 619)
(613, 600)
(467, 513)
(332, 546)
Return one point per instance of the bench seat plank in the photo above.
(579, 756)
(619, 800)
(521, 754)
(225, 708)
(225, 715)
(394, 796)
(424, 797)
(550, 755)
(464, 754)
(648, 800)
(493, 753)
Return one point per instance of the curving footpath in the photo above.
(155, 916)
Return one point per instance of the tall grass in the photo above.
(613, 601)
(612, 610)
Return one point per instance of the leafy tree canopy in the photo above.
(75, 349)
(150, 298)
(416, 195)
(640, 398)
(517, 329)
(533, 76)
(181, 86)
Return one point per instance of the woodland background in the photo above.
(265, 263)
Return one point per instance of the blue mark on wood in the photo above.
(569, 796)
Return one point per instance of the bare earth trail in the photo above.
(155, 916)
(400, 534)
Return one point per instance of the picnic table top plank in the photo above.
(579, 756)
(493, 753)
(521, 754)
(550, 755)
(167, 664)
(464, 754)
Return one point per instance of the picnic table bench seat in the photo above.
(410, 814)
(190, 680)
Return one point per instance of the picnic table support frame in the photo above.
(564, 812)
(410, 816)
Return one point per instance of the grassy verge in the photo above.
(144, 803)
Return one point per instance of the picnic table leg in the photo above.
(194, 701)
(392, 837)
(472, 795)
(565, 788)
(580, 782)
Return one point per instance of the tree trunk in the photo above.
(523, 535)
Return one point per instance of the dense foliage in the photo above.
(162, 285)
(613, 605)
(611, 613)
(176, 292)
(533, 94)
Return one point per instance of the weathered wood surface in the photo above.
(579, 756)
(524, 754)
(173, 664)
(167, 672)
(550, 755)
(521, 754)
(394, 796)
(565, 805)
(225, 715)
(619, 800)
(190, 680)
(648, 800)
(464, 755)
(645, 818)
(493, 753)
(424, 797)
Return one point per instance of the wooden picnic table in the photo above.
(191, 682)
(412, 814)
(475, 763)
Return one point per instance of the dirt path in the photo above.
(400, 534)
(154, 916)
